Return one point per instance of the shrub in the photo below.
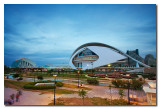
(120, 102)
(149, 76)
(41, 87)
(134, 84)
(93, 81)
(120, 83)
(20, 78)
(28, 86)
(134, 75)
(59, 84)
(16, 75)
(92, 75)
(40, 77)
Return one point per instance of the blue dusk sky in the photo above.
(48, 34)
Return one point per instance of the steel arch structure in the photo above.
(107, 54)
(24, 63)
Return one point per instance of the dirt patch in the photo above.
(72, 101)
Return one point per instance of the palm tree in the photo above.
(82, 93)
(121, 93)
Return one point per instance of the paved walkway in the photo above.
(104, 92)
(29, 97)
(37, 98)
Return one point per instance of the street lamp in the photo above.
(54, 86)
(78, 75)
(109, 65)
(128, 75)
(87, 66)
(92, 67)
(78, 78)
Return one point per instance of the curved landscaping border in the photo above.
(41, 87)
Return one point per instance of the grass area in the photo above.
(64, 91)
(74, 86)
(14, 84)
(58, 91)
(90, 101)
(60, 74)
(20, 84)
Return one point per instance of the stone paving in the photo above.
(36, 98)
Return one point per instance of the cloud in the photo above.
(50, 33)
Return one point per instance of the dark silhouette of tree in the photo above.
(6, 69)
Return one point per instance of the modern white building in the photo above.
(150, 90)
(92, 55)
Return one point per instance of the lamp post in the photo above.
(92, 67)
(87, 66)
(78, 75)
(78, 78)
(54, 86)
(128, 75)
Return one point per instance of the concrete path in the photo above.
(37, 98)
(29, 97)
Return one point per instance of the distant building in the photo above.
(23, 63)
(93, 55)
(150, 60)
(150, 90)
(134, 54)
(152, 70)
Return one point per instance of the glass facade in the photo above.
(85, 56)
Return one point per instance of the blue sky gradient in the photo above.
(48, 34)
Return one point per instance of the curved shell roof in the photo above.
(96, 44)
(23, 62)
(104, 52)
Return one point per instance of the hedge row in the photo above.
(93, 81)
(41, 87)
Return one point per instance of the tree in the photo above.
(82, 93)
(136, 84)
(6, 69)
(49, 72)
(121, 93)
(16, 75)
(41, 71)
(86, 70)
(17, 69)
(34, 74)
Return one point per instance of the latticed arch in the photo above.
(23, 63)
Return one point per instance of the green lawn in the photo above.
(14, 84)
(20, 84)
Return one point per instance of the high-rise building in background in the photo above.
(134, 54)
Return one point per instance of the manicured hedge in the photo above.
(41, 87)
(93, 81)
